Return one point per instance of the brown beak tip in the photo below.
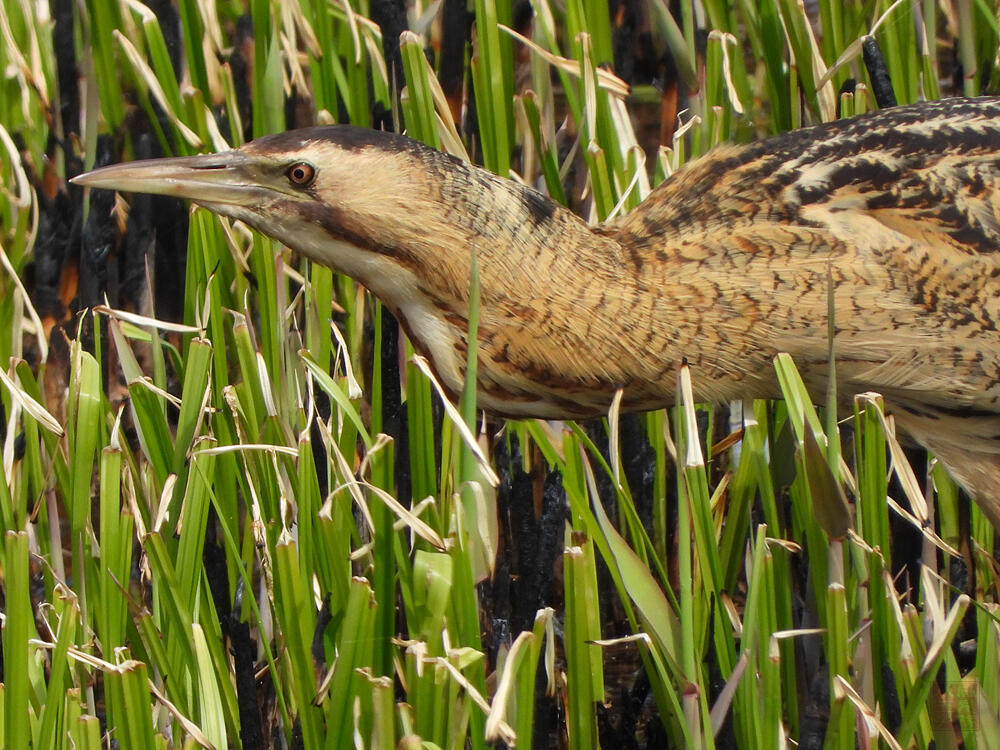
(84, 179)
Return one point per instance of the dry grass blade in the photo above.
(22, 196)
(43, 344)
(904, 472)
(724, 701)
(152, 82)
(354, 390)
(415, 524)
(505, 685)
(694, 456)
(605, 79)
(27, 73)
(189, 726)
(726, 40)
(453, 414)
(843, 687)
(144, 321)
(38, 412)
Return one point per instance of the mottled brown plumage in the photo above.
(724, 265)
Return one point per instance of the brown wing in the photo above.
(904, 157)
(900, 210)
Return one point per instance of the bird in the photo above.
(736, 257)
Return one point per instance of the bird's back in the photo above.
(895, 215)
(900, 158)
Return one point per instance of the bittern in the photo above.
(730, 261)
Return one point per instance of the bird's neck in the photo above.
(409, 234)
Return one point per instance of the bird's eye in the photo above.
(301, 174)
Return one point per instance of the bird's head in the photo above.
(344, 196)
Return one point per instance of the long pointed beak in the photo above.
(224, 179)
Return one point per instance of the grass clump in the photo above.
(229, 523)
